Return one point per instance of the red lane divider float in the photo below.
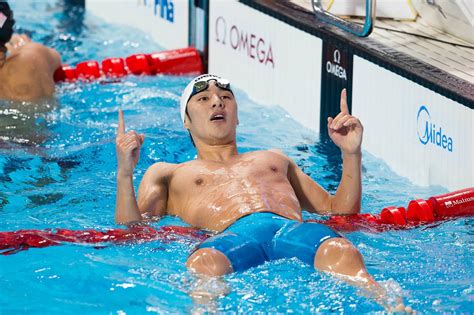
(13, 242)
(420, 212)
(186, 61)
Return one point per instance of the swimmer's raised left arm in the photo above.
(346, 132)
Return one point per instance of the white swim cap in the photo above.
(191, 90)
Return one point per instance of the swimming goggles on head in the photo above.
(201, 86)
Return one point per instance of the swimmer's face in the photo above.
(213, 114)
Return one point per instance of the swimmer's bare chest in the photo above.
(213, 195)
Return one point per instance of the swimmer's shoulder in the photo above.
(158, 174)
(33, 55)
(272, 153)
(168, 170)
(278, 152)
(28, 73)
(162, 169)
(268, 156)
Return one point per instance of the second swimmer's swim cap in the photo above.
(6, 23)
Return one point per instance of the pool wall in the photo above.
(418, 119)
(257, 52)
(166, 21)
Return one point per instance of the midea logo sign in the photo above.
(428, 133)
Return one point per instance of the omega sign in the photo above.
(335, 67)
(243, 41)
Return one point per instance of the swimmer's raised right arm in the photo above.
(153, 191)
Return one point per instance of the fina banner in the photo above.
(422, 135)
(273, 62)
(165, 20)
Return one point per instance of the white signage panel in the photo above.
(165, 20)
(274, 63)
(422, 135)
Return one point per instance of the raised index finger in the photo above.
(344, 107)
(121, 123)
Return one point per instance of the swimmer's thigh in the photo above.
(301, 240)
(339, 256)
(241, 252)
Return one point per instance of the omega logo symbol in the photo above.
(335, 68)
(221, 21)
(337, 56)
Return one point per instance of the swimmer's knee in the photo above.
(210, 262)
(338, 255)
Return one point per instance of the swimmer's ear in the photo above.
(186, 122)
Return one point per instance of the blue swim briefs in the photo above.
(264, 236)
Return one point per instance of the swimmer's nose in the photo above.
(217, 102)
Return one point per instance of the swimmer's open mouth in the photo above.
(217, 116)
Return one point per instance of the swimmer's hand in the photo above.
(346, 130)
(128, 147)
(401, 309)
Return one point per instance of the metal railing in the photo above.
(353, 28)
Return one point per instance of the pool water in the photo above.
(58, 167)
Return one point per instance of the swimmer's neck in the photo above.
(217, 152)
(3, 57)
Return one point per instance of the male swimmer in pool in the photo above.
(254, 200)
(27, 73)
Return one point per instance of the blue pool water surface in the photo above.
(57, 170)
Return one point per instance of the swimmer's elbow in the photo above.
(354, 206)
(127, 220)
(345, 212)
(354, 210)
(120, 221)
(338, 208)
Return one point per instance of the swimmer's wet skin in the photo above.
(26, 74)
(253, 200)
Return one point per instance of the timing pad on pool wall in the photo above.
(336, 74)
